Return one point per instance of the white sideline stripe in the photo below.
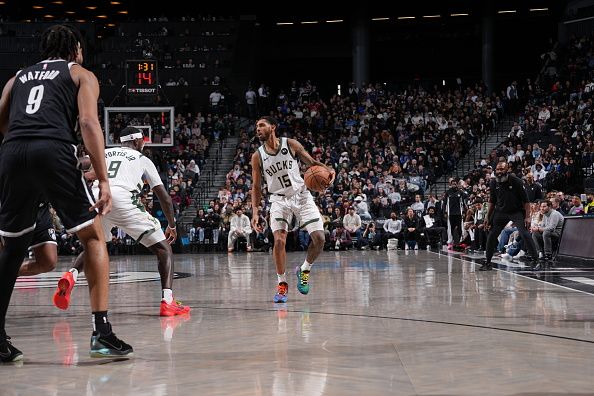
(580, 279)
(516, 274)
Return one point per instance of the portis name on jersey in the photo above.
(119, 154)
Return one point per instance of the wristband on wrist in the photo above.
(171, 228)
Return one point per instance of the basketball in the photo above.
(317, 178)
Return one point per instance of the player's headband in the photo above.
(132, 136)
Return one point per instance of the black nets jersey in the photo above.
(43, 103)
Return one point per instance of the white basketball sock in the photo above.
(306, 266)
(74, 272)
(168, 296)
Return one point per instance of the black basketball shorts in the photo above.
(33, 171)
(44, 228)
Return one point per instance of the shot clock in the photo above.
(141, 77)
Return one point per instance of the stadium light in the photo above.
(380, 19)
(538, 9)
(407, 17)
(506, 12)
(459, 14)
(334, 21)
(284, 23)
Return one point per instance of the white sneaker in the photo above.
(540, 255)
(521, 253)
(506, 256)
(416, 247)
(406, 246)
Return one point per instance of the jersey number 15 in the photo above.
(284, 181)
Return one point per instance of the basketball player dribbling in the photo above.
(276, 160)
(39, 109)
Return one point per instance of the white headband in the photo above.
(127, 138)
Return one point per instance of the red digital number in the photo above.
(144, 78)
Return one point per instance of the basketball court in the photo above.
(374, 323)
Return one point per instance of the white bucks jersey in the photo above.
(126, 168)
(281, 170)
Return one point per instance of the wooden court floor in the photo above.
(374, 323)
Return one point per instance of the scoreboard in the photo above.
(141, 78)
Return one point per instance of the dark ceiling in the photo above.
(121, 10)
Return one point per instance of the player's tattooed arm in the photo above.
(256, 188)
(303, 156)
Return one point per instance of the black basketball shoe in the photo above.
(109, 346)
(9, 353)
(485, 265)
